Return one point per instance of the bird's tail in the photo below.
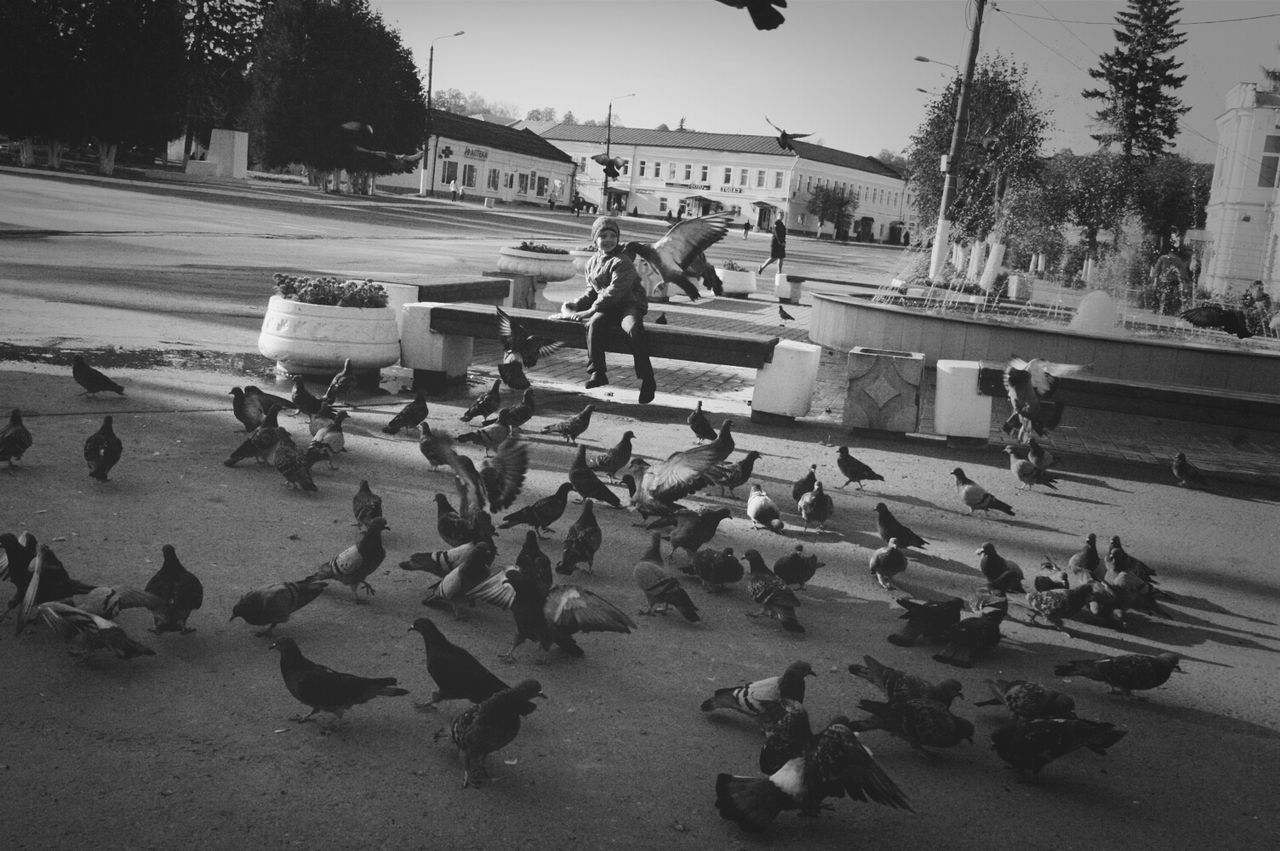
(788, 618)
(777, 525)
(955, 654)
(752, 802)
(1067, 669)
(1102, 737)
(722, 699)
(905, 637)
(684, 605)
(390, 690)
(1001, 505)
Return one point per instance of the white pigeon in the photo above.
(762, 511)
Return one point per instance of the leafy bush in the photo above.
(540, 248)
(329, 290)
(733, 266)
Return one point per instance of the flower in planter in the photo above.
(541, 248)
(733, 266)
(330, 291)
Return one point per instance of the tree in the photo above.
(1139, 109)
(1170, 196)
(321, 65)
(1093, 189)
(547, 113)
(219, 37)
(831, 204)
(39, 61)
(569, 118)
(895, 161)
(1000, 146)
(1272, 75)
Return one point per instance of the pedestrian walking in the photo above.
(453, 190)
(778, 247)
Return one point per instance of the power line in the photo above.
(1112, 23)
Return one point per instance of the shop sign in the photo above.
(476, 153)
(705, 187)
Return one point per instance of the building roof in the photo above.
(732, 142)
(486, 133)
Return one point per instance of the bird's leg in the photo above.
(305, 718)
(648, 611)
(366, 586)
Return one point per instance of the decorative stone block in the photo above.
(884, 390)
(787, 291)
(437, 360)
(784, 386)
(738, 284)
(549, 267)
(316, 338)
(959, 409)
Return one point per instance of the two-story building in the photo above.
(1243, 215)
(686, 173)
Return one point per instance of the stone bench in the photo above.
(437, 344)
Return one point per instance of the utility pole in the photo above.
(942, 236)
(424, 187)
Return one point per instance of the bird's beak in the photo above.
(541, 695)
(233, 617)
(977, 552)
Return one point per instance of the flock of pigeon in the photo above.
(800, 768)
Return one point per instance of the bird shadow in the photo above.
(1220, 724)
(1026, 524)
(1080, 499)
(948, 565)
(1091, 481)
(1204, 605)
(1186, 630)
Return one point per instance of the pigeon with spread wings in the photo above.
(678, 255)
(520, 349)
(763, 14)
(784, 138)
(1031, 385)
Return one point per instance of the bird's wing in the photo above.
(577, 609)
(511, 334)
(496, 590)
(1205, 316)
(774, 126)
(66, 620)
(688, 238)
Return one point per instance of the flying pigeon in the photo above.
(612, 165)
(678, 255)
(1226, 319)
(785, 139)
(520, 349)
(86, 632)
(385, 162)
(1030, 386)
(763, 14)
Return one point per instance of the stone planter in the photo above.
(737, 284)
(317, 338)
(960, 409)
(579, 259)
(884, 390)
(549, 267)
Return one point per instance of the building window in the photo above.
(671, 171)
(728, 176)
(449, 173)
(662, 205)
(543, 184)
(760, 179)
(469, 176)
(706, 173)
(642, 166)
(688, 171)
(494, 176)
(509, 182)
(777, 180)
(523, 189)
(1270, 162)
(808, 187)
(657, 170)
(742, 177)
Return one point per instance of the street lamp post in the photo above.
(425, 187)
(608, 143)
(943, 233)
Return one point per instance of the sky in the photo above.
(843, 70)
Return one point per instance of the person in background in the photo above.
(614, 297)
(1256, 303)
(746, 229)
(777, 248)
(453, 190)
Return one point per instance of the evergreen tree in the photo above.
(1139, 108)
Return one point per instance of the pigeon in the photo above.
(1030, 745)
(716, 568)
(550, 615)
(302, 398)
(763, 14)
(783, 315)
(355, 564)
(273, 604)
(587, 483)
(324, 689)
(660, 587)
(616, 458)
(1001, 573)
(1030, 386)
(102, 450)
(457, 674)
(854, 470)
(581, 542)
(1086, 559)
(612, 165)
(261, 442)
(1231, 320)
(487, 436)
(932, 619)
(365, 505)
(385, 162)
(15, 439)
(804, 484)
(1184, 472)
(887, 562)
(1029, 701)
(775, 598)
(730, 477)
(973, 637)
(1042, 458)
(341, 383)
(246, 409)
(975, 497)
(514, 416)
(472, 569)
(484, 404)
(679, 254)
(409, 416)
(918, 721)
(494, 486)
(330, 435)
(700, 424)
(1125, 674)
(489, 726)
(696, 528)
(520, 349)
(92, 380)
(290, 464)
(1057, 603)
(889, 528)
(533, 562)
(834, 764)
(898, 685)
(785, 139)
(87, 632)
(542, 513)
(760, 699)
(815, 507)
(787, 733)
(17, 555)
(264, 400)
(762, 511)
(795, 568)
(1027, 474)
(46, 581)
(682, 473)
(179, 593)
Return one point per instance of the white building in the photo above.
(489, 161)
(1243, 225)
(687, 173)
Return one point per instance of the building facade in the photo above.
(489, 161)
(680, 173)
(1243, 216)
